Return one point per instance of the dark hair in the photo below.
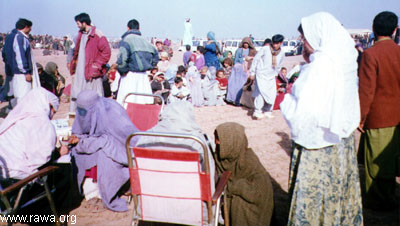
(181, 69)
(283, 68)
(23, 23)
(201, 49)
(300, 29)
(267, 40)
(220, 70)
(385, 23)
(83, 18)
(188, 47)
(178, 80)
(228, 61)
(133, 24)
(277, 38)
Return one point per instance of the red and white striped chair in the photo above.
(170, 186)
(143, 116)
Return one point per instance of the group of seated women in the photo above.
(99, 133)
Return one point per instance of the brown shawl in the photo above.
(252, 49)
(249, 190)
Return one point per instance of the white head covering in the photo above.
(324, 105)
(27, 136)
(36, 103)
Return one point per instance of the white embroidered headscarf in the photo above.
(324, 105)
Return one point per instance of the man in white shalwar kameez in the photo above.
(188, 33)
(136, 56)
(266, 65)
(20, 67)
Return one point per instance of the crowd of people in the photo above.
(324, 101)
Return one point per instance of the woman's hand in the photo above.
(63, 150)
(73, 140)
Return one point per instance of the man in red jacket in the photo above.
(92, 52)
(379, 91)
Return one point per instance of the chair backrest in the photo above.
(143, 116)
(169, 182)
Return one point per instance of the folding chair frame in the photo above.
(219, 188)
(145, 95)
(21, 185)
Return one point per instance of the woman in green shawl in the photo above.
(249, 191)
(52, 69)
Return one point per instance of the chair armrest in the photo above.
(28, 179)
(221, 185)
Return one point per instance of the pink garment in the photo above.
(200, 61)
(27, 136)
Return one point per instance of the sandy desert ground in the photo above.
(269, 138)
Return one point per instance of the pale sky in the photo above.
(163, 18)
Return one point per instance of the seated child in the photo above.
(178, 91)
(160, 86)
(227, 67)
(182, 73)
(222, 80)
(163, 64)
(222, 85)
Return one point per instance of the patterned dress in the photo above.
(324, 185)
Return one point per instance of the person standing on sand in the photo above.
(21, 72)
(92, 52)
(136, 56)
(266, 65)
(323, 112)
(380, 114)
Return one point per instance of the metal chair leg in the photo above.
(52, 206)
(226, 211)
(217, 207)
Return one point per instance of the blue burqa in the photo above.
(235, 84)
(102, 125)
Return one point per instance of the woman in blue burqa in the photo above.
(236, 81)
(99, 131)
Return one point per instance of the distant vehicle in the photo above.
(290, 47)
(232, 45)
(195, 43)
(258, 44)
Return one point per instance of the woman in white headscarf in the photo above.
(322, 112)
(27, 137)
